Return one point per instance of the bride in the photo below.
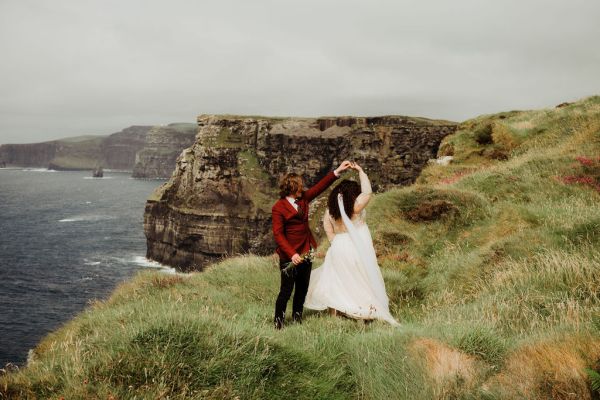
(349, 281)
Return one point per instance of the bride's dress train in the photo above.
(349, 280)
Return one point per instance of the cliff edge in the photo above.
(218, 200)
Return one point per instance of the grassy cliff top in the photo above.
(491, 265)
(415, 120)
(184, 127)
(82, 138)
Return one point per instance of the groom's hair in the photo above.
(350, 191)
(290, 184)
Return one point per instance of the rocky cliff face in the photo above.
(116, 151)
(163, 145)
(28, 155)
(218, 200)
(55, 154)
(119, 149)
(150, 151)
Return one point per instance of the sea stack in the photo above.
(98, 172)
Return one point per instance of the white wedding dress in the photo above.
(349, 280)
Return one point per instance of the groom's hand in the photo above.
(343, 166)
(296, 259)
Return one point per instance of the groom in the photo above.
(293, 237)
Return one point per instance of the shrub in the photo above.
(483, 135)
(595, 379)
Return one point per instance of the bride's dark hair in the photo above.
(350, 191)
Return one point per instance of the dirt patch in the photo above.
(496, 153)
(548, 370)
(395, 238)
(449, 369)
(430, 211)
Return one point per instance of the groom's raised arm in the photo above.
(320, 186)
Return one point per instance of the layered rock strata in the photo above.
(163, 144)
(116, 151)
(147, 151)
(28, 155)
(218, 200)
(119, 149)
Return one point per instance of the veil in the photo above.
(368, 258)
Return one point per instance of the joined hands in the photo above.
(355, 166)
(343, 166)
(296, 259)
(348, 164)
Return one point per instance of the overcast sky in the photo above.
(72, 67)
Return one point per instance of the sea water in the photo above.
(65, 239)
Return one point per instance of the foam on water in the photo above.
(39, 170)
(91, 218)
(144, 262)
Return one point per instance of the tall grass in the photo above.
(492, 265)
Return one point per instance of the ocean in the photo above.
(65, 239)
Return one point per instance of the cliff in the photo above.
(28, 155)
(218, 200)
(116, 151)
(148, 151)
(490, 263)
(119, 149)
(163, 144)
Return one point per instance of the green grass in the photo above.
(255, 181)
(184, 127)
(78, 154)
(82, 138)
(237, 116)
(492, 265)
(225, 138)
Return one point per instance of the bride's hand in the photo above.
(356, 167)
(343, 166)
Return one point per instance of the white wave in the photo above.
(39, 170)
(79, 218)
(144, 262)
(88, 202)
(103, 177)
(92, 263)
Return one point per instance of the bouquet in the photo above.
(305, 257)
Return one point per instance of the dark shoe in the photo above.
(278, 323)
(297, 317)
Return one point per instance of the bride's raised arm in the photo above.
(365, 192)
(328, 226)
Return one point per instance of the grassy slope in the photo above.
(80, 154)
(491, 265)
(82, 138)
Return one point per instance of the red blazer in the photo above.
(291, 231)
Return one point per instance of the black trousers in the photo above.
(299, 276)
